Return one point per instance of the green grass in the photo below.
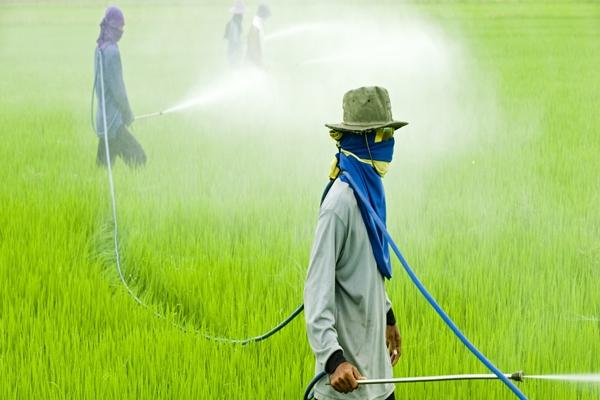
(500, 217)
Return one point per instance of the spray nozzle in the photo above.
(518, 376)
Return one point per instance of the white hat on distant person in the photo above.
(238, 7)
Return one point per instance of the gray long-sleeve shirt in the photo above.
(344, 297)
(118, 111)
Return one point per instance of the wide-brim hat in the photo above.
(367, 109)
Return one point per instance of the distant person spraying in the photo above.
(256, 35)
(113, 104)
(349, 319)
(233, 34)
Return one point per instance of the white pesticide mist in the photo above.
(313, 54)
(310, 64)
(222, 90)
(297, 29)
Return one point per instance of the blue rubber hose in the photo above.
(429, 297)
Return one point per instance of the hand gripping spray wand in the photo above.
(517, 376)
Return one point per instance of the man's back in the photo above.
(344, 295)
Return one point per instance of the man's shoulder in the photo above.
(340, 199)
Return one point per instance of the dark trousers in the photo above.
(123, 145)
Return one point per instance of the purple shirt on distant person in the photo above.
(113, 104)
(118, 110)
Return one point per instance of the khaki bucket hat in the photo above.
(366, 109)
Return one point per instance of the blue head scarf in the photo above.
(356, 156)
(111, 27)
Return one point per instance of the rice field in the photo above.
(493, 196)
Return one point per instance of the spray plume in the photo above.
(583, 378)
(312, 63)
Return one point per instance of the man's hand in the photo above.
(394, 342)
(344, 377)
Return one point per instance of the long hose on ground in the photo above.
(245, 341)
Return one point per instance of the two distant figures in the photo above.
(233, 35)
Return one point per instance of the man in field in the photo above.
(256, 36)
(350, 323)
(115, 102)
(233, 34)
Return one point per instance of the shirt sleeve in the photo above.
(116, 85)
(390, 318)
(388, 303)
(319, 289)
